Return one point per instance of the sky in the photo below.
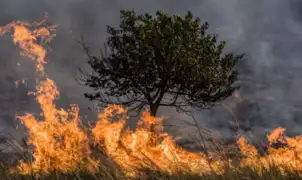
(269, 32)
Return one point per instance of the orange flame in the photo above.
(288, 156)
(59, 143)
(133, 150)
(27, 40)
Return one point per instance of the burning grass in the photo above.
(62, 148)
(112, 173)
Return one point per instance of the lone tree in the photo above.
(161, 60)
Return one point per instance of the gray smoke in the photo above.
(270, 32)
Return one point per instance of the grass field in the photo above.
(108, 170)
(65, 150)
(114, 174)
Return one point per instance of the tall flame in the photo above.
(31, 41)
(59, 143)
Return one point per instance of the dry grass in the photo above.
(111, 174)
(110, 171)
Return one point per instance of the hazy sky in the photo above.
(270, 32)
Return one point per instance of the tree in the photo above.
(161, 60)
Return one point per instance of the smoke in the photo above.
(270, 32)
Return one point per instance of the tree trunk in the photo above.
(153, 111)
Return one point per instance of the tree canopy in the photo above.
(161, 60)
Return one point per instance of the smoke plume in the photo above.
(269, 32)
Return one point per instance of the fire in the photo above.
(28, 39)
(283, 152)
(133, 150)
(61, 145)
